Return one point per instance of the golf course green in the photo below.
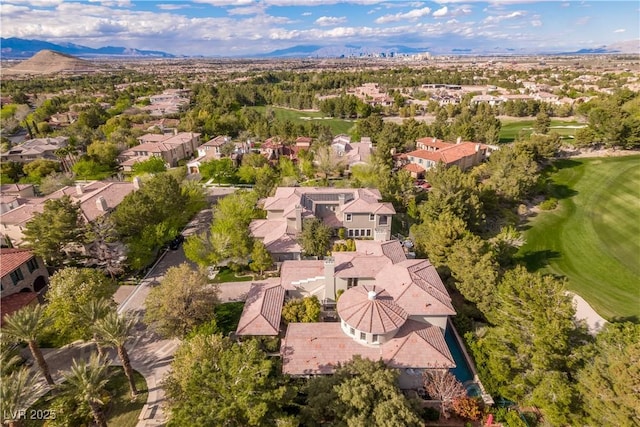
(593, 236)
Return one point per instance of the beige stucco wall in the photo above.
(8, 288)
(440, 321)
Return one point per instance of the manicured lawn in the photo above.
(593, 237)
(509, 130)
(121, 410)
(226, 275)
(228, 316)
(337, 125)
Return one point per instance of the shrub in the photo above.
(430, 414)
(467, 407)
(549, 204)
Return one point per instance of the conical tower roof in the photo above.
(369, 308)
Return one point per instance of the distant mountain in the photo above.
(15, 48)
(626, 47)
(51, 62)
(337, 51)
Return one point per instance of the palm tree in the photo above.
(86, 381)
(115, 330)
(17, 392)
(90, 313)
(26, 325)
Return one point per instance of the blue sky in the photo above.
(237, 27)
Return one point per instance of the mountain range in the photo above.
(15, 48)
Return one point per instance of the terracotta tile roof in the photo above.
(262, 309)
(14, 302)
(292, 272)
(413, 167)
(274, 235)
(370, 309)
(353, 264)
(418, 345)
(393, 250)
(434, 156)
(318, 348)
(436, 143)
(11, 258)
(217, 141)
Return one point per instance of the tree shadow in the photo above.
(621, 319)
(561, 191)
(536, 260)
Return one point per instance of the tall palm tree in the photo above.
(86, 381)
(115, 330)
(17, 392)
(26, 325)
(90, 313)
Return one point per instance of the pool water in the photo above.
(462, 372)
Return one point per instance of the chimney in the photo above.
(175, 131)
(101, 204)
(477, 148)
(329, 279)
(341, 198)
(79, 191)
(136, 183)
(298, 218)
(459, 140)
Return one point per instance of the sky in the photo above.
(246, 27)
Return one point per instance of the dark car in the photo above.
(175, 243)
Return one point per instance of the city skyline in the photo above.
(249, 27)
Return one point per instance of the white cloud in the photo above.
(172, 6)
(620, 30)
(412, 15)
(11, 9)
(327, 21)
(226, 2)
(441, 12)
(536, 23)
(499, 18)
(315, 2)
(113, 3)
(307, 13)
(246, 10)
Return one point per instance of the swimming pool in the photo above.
(462, 371)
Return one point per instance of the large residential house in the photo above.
(171, 148)
(95, 199)
(358, 210)
(171, 101)
(14, 195)
(23, 276)
(376, 303)
(210, 150)
(353, 153)
(432, 151)
(32, 149)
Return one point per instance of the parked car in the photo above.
(175, 243)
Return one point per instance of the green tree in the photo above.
(28, 325)
(70, 289)
(87, 168)
(360, 393)
(115, 330)
(473, 265)
(543, 123)
(90, 313)
(221, 171)
(39, 168)
(260, 258)
(16, 394)
(153, 164)
(436, 238)
(609, 380)
(305, 310)
(103, 152)
(182, 301)
(315, 238)
(215, 381)
(55, 182)
(86, 382)
(527, 352)
(512, 173)
(454, 192)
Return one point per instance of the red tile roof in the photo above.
(14, 302)
(10, 259)
(318, 348)
(415, 168)
(371, 309)
(262, 309)
(436, 143)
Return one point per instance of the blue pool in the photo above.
(462, 371)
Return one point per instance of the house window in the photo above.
(16, 276)
(348, 217)
(363, 336)
(351, 282)
(350, 233)
(368, 232)
(32, 265)
(375, 338)
(372, 217)
(352, 331)
(357, 232)
(383, 220)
